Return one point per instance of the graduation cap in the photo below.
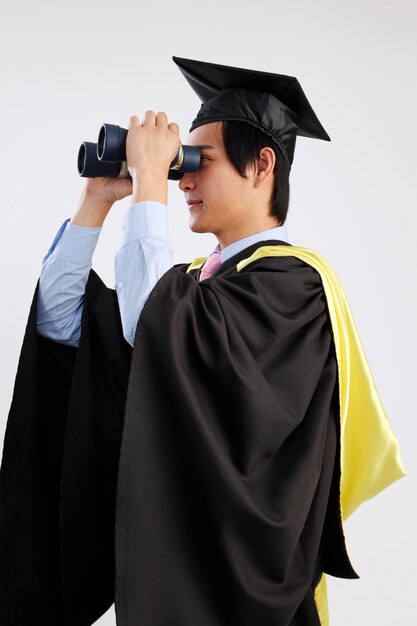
(274, 103)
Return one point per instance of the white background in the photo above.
(67, 67)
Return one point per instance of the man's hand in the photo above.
(150, 149)
(109, 189)
(98, 197)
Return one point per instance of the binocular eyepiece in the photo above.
(107, 157)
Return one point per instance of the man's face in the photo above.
(223, 200)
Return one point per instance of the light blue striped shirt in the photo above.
(145, 254)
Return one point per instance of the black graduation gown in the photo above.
(194, 480)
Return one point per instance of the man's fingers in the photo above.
(161, 118)
(174, 127)
(134, 121)
(148, 118)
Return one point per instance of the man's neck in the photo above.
(226, 240)
(276, 232)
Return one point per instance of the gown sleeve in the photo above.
(59, 468)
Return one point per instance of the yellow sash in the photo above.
(370, 456)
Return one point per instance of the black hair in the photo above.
(242, 143)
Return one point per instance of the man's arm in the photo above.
(62, 282)
(150, 148)
(144, 256)
(66, 267)
(146, 240)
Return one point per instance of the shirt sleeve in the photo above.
(143, 258)
(64, 275)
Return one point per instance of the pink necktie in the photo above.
(210, 266)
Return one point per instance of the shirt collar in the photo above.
(278, 232)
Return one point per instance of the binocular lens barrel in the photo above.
(192, 159)
(90, 167)
(111, 144)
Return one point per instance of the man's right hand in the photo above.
(109, 189)
(98, 197)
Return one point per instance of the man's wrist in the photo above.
(91, 210)
(150, 186)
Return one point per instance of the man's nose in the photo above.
(187, 181)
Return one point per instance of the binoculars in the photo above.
(107, 157)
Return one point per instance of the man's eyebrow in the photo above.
(205, 146)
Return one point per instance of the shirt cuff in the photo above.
(77, 243)
(56, 239)
(147, 218)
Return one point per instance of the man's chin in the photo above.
(198, 227)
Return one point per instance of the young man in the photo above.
(230, 419)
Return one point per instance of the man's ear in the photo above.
(266, 164)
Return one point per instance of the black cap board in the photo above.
(274, 103)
